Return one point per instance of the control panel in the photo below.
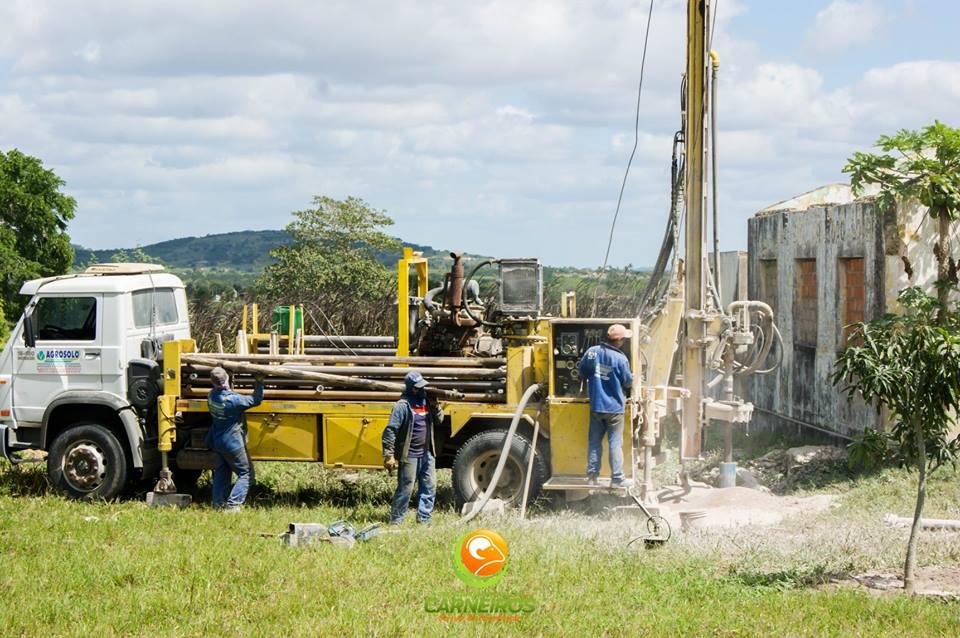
(570, 341)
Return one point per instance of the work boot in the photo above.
(624, 482)
(231, 509)
(593, 479)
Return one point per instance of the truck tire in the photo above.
(87, 462)
(476, 460)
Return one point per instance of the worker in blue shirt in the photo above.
(606, 371)
(227, 439)
(408, 446)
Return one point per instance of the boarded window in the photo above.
(768, 283)
(805, 303)
(852, 289)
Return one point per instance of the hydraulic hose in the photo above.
(502, 462)
(533, 454)
(463, 297)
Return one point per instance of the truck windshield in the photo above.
(66, 319)
(160, 303)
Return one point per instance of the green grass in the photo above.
(110, 569)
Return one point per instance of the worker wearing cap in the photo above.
(408, 446)
(227, 440)
(606, 371)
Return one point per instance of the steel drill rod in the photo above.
(414, 362)
(343, 395)
(203, 381)
(333, 380)
(362, 371)
(369, 340)
(342, 350)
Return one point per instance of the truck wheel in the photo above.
(476, 461)
(88, 462)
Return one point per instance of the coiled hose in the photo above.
(501, 463)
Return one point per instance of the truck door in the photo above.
(66, 357)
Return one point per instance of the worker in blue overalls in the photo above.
(606, 371)
(227, 439)
(408, 447)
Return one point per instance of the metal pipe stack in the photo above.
(348, 377)
(352, 345)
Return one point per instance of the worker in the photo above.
(607, 373)
(227, 439)
(408, 447)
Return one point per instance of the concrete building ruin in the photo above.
(822, 261)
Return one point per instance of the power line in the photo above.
(713, 26)
(636, 142)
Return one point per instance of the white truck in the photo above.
(77, 365)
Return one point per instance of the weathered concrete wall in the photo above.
(896, 247)
(801, 388)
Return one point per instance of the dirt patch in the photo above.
(736, 506)
(939, 582)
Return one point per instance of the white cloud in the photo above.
(844, 24)
(205, 117)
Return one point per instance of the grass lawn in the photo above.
(105, 569)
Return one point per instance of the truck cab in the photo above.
(70, 371)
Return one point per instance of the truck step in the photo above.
(580, 482)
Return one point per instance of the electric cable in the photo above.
(633, 152)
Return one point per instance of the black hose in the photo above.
(463, 297)
(667, 245)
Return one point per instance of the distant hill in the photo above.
(245, 251)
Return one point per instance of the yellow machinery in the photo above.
(684, 323)
(342, 433)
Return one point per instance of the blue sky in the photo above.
(495, 127)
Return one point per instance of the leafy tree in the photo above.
(922, 165)
(33, 224)
(909, 363)
(120, 257)
(331, 266)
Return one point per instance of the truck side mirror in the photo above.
(29, 332)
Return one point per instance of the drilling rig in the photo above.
(505, 374)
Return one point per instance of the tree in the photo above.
(331, 267)
(33, 224)
(910, 363)
(926, 168)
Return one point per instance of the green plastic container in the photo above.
(280, 320)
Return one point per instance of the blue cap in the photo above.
(414, 380)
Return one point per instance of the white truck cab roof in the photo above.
(105, 278)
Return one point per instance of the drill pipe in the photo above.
(394, 373)
(353, 340)
(414, 362)
(333, 380)
(341, 395)
(203, 381)
(342, 350)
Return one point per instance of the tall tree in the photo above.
(34, 213)
(922, 165)
(911, 363)
(331, 265)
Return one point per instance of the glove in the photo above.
(390, 463)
